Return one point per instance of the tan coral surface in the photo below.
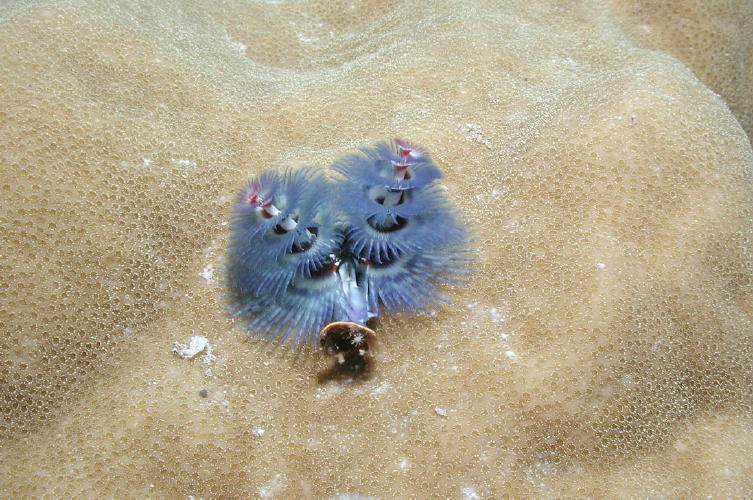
(713, 38)
(603, 346)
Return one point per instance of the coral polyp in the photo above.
(306, 251)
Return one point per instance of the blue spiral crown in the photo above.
(306, 251)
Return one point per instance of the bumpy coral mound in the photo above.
(602, 347)
(714, 39)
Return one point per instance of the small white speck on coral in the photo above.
(307, 39)
(497, 315)
(325, 392)
(347, 496)
(258, 431)
(380, 389)
(238, 46)
(183, 162)
(208, 273)
(273, 487)
(628, 379)
(196, 345)
(440, 411)
(475, 134)
(469, 494)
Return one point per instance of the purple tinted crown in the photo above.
(306, 251)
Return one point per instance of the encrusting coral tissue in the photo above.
(307, 250)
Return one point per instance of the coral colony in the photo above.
(310, 254)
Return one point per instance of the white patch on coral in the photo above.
(498, 316)
(516, 221)
(208, 273)
(440, 411)
(539, 473)
(469, 493)
(183, 162)
(517, 117)
(473, 133)
(273, 487)
(380, 389)
(307, 39)
(258, 431)
(237, 45)
(325, 392)
(196, 345)
(208, 358)
(347, 496)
